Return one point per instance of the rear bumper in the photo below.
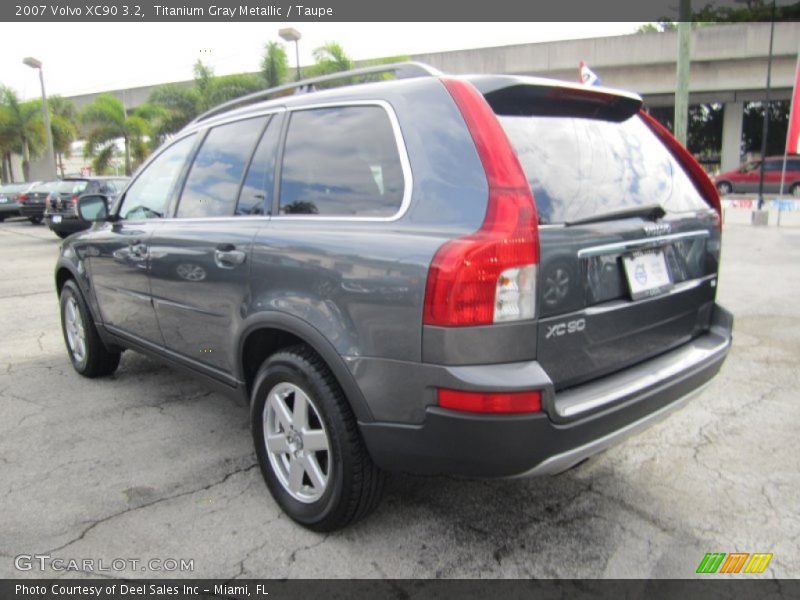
(27, 210)
(9, 209)
(69, 223)
(450, 442)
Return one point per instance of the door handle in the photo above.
(226, 256)
(138, 249)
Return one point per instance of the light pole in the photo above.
(51, 156)
(290, 34)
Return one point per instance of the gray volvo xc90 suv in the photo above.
(488, 276)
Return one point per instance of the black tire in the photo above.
(354, 485)
(35, 220)
(97, 360)
(2, 218)
(724, 188)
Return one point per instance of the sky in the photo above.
(90, 57)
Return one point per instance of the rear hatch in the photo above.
(35, 198)
(66, 195)
(629, 246)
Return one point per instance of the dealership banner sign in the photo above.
(346, 10)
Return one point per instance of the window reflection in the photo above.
(213, 181)
(341, 161)
(579, 168)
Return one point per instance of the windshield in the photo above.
(582, 168)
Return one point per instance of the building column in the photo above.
(732, 118)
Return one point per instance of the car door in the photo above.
(200, 258)
(117, 251)
(772, 175)
(747, 182)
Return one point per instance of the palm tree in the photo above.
(21, 128)
(63, 122)
(107, 121)
(172, 106)
(331, 58)
(274, 64)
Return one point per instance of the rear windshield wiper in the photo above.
(652, 212)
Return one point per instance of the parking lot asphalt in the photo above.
(148, 464)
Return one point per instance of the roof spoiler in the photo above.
(533, 96)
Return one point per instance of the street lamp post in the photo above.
(51, 157)
(290, 34)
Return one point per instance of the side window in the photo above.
(215, 175)
(256, 194)
(773, 165)
(148, 196)
(341, 161)
(793, 164)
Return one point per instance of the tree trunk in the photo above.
(10, 166)
(127, 157)
(26, 160)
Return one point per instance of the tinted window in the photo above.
(148, 196)
(214, 178)
(773, 165)
(580, 168)
(341, 161)
(256, 195)
(72, 186)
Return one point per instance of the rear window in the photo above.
(581, 168)
(71, 187)
(47, 187)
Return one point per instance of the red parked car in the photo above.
(746, 177)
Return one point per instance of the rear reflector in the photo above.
(491, 402)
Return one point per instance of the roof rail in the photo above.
(401, 70)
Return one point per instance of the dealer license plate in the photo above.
(647, 273)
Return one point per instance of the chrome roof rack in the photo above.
(401, 70)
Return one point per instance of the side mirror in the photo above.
(93, 207)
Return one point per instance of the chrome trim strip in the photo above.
(635, 380)
(561, 462)
(619, 247)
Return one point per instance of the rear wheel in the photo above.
(35, 220)
(724, 188)
(86, 350)
(308, 445)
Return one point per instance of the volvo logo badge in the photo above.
(657, 229)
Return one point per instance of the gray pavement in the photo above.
(148, 464)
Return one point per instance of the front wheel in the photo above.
(86, 350)
(35, 220)
(724, 188)
(795, 190)
(308, 445)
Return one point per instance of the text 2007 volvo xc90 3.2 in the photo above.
(487, 276)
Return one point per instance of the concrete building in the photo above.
(729, 66)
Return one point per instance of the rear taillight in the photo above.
(22, 198)
(491, 402)
(693, 169)
(488, 276)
